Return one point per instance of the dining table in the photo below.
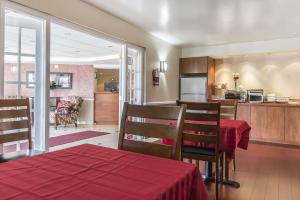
(90, 172)
(233, 134)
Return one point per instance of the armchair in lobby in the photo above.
(67, 111)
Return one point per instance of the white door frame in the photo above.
(42, 89)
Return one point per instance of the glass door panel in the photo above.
(134, 90)
(23, 38)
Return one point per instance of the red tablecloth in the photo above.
(233, 134)
(90, 172)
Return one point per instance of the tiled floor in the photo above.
(109, 140)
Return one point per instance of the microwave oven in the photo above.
(255, 96)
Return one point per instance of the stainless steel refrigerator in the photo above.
(193, 89)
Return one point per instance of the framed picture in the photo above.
(58, 80)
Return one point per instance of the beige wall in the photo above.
(277, 73)
(156, 49)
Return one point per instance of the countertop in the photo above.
(271, 104)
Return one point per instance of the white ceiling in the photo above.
(209, 22)
(67, 45)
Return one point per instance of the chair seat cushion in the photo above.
(17, 155)
(202, 151)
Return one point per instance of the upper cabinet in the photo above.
(195, 65)
(200, 65)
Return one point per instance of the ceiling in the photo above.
(67, 45)
(209, 22)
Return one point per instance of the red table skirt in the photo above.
(233, 134)
(90, 172)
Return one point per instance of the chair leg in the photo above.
(217, 178)
(190, 160)
(198, 163)
(234, 166)
(222, 168)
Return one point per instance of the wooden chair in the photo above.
(15, 125)
(228, 111)
(205, 119)
(139, 120)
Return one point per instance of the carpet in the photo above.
(59, 140)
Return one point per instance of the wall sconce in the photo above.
(163, 66)
(56, 66)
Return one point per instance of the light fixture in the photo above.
(56, 66)
(163, 66)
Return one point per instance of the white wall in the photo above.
(277, 73)
(83, 14)
(279, 45)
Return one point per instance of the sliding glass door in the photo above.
(24, 64)
(132, 75)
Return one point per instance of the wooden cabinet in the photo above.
(292, 125)
(243, 112)
(200, 65)
(267, 123)
(195, 65)
(106, 107)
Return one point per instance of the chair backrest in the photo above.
(15, 124)
(135, 121)
(202, 123)
(228, 108)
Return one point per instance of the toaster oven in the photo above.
(255, 96)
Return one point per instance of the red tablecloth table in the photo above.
(89, 172)
(233, 134)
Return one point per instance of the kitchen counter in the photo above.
(271, 104)
(272, 122)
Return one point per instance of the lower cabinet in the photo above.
(267, 123)
(272, 123)
(292, 125)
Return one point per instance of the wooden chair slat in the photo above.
(200, 127)
(199, 106)
(13, 113)
(151, 130)
(13, 125)
(201, 116)
(13, 102)
(227, 116)
(154, 112)
(211, 139)
(13, 137)
(147, 148)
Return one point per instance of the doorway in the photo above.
(33, 70)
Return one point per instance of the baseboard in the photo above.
(295, 146)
